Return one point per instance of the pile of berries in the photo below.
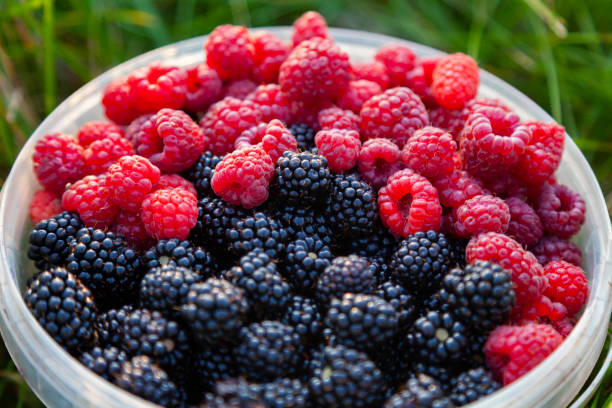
(282, 227)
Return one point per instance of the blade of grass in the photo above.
(50, 86)
(20, 8)
(482, 13)
(547, 15)
(157, 27)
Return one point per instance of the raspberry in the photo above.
(357, 93)
(45, 204)
(506, 186)
(482, 213)
(243, 176)
(429, 64)
(455, 80)
(250, 137)
(306, 113)
(339, 147)
(271, 102)
(92, 131)
(398, 60)
(204, 87)
(492, 141)
(270, 52)
(374, 71)
(91, 198)
(225, 121)
(130, 180)
(317, 70)
(171, 140)
(170, 213)
(239, 88)
(475, 104)
(336, 118)
(379, 159)
(395, 114)
(543, 154)
(118, 102)
(169, 181)
(408, 204)
(567, 284)
(527, 275)
(130, 225)
(542, 310)
(309, 25)
(450, 120)
(131, 133)
(429, 152)
(58, 160)
(158, 86)
(512, 351)
(556, 249)
(561, 210)
(101, 154)
(525, 226)
(458, 187)
(277, 139)
(230, 52)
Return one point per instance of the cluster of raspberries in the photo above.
(267, 140)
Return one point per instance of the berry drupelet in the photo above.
(164, 288)
(304, 135)
(420, 391)
(300, 222)
(401, 300)
(109, 325)
(437, 337)
(472, 385)
(215, 218)
(174, 252)
(378, 244)
(345, 274)
(256, 231)
(201, 172)
(305, 261)
(106, 362)
(301, 178)
(50, 239)
(303, 314)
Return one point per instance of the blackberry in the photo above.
(442, 374)
(256, 231)
(214, 310)
(173, 252)
(300, 222)
(436, 302)
(106, 362)
(345, 377)
(141, 376)
(285, 393)
(382, 270)
(305, 261)
(268, 350)
(164, 288)
(345, 274)
(458, 249)
(50, 240)
(395, 366)
(421, 261)
(64, 307)
(402, 301)
(201, 172)
(105, 264)
(301, 178)
(304, 135)
(303, 314)
(215, 218)
(472, 385)
(234, 393)
(362, 321)
(214, 364)
(109, 325)
(437, 338)
(379, 244)
(421, 391)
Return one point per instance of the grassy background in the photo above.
(556, 52)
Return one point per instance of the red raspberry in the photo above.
(131, 133)
(458, 187)
(118, 102)
(317, 70)
(506, 185)
(45, 204)
(373, 71)
(306, 113)
(204, 87)
(543, 310)
(567, 284)
(308, 26)
(543, 154)
(171, 140)
(455, 80)
(243, 176)
(561, 210)
(336, 118)
(277, 139)
(130, 180)
(58, 160)
(169, 213)
(357, 93)
(556, 249)
(527, 275)
(170, 181)
(379, 159)
(239, 88)
(450, 120)
(482, 213)
(415, 80)
(131, 227)
(250, 137)
(230, 52)
(428, 64)
(525, 226)
(475, 104)
(225, 121)
(91, 198)
(493, 140)
(512, 351)
(430, 152)
(92, 131)
(395, 114)
(564, 326)
(458, 161)
(272, 103)
(339, 147)
(398, 60)
(270, 52)
(102, 153)
(158, 86)
(408, 204)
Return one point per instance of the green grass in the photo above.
(556, 52)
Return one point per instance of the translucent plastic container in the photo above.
(61, 381)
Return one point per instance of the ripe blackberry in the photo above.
(164, 288)
(303, 314)
(256, 231)
(435, 302)
(201, 172)
(305, 261)
(215, 217)
(344, 377)
(50, 239)
(346, 274)
(302, 178)
(233, 393)
(472, 385)
(268, 350)
(440, 373)
(421, 261)
(109, 325)
(401, 300)
(106, 362)
(301, 222)
(378, 244)
(104, 263)
(174, 252)
(214, 364)
(64, 307)
(285, 393)
(437, 337)
(383, 273)
(304, 135)
(420, 391)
